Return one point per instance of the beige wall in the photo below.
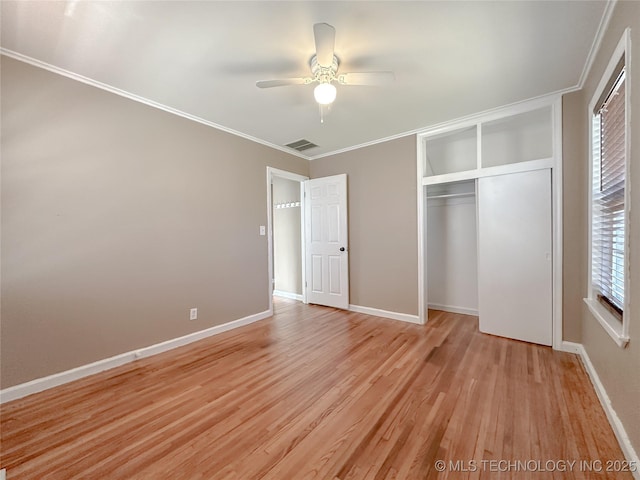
(116, 219)
(287, 237)
(574, 194)
(618, 368)
(383, 238)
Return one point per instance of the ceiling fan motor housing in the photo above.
(322, 74)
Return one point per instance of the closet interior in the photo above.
(452, 256)
(487, 222)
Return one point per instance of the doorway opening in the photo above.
(285, 199)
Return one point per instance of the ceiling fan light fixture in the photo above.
(324, 93)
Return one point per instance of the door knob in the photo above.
(342, 249)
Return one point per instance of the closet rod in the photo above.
(452, 195)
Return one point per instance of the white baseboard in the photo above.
(617, 426)
(404, 317)
(571, 347)
(292, 296)
(453, 309)
(40, 384)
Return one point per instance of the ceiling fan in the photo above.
(324, 70)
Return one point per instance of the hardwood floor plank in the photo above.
(318, 393)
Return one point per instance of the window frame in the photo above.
(616, 327)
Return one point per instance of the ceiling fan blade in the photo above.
(325, 36)
(282, 82)
(366, 78)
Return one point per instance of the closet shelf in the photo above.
(452, 195)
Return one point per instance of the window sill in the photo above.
(611, 325)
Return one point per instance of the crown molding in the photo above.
(595, 46)
(366, 144)
(592, 53)
(143, 100)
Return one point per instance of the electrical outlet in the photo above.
(193, 314)
(263, 230)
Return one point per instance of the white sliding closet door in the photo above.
(514, 256)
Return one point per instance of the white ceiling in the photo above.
(451, 59)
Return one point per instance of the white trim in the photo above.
(303, 238)
(570, 347)
(452, 177)
(597, 40)
(40, 384)
(623, 47)
(422, 277)
(527, 166)
(628, 185)
(366, 144)
(296, 177)
(479, 145)
(618, 428)
(454, 309)
(143, 100)
(404, 317)
(558, 232)
(276, 172)
(607, 322)
(604, 317)
(292, 296)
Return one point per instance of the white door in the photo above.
(514, 256)
(327, 257)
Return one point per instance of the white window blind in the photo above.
(608, 209)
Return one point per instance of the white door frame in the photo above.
(271, 173)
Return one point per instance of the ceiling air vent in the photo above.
(301, 145)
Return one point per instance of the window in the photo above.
(607, 224)
(609, 109)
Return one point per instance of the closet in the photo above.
(452, 276)
(489, 197)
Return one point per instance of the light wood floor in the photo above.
(316, 393)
